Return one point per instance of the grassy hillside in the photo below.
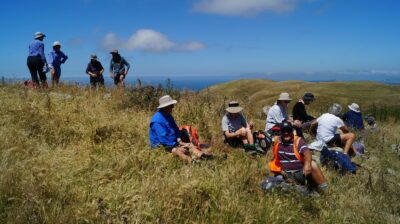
(72, 155)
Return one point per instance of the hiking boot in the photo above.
(206, 156)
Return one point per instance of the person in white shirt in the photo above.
(279, 112)
(327, 125)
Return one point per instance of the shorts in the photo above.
(117, 78)
(335, 141)
(233, 142)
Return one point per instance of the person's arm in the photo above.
(127, 65)
(51, 60)
(238, 133)
(307, 155)
(41, 52)
(344, 129)
(313, 127)
(64, 58)
(101, 69)
(89, 72)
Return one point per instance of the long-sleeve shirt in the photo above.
(163, 130)
(94, 67)
(36, 48)
(299, 112)
(275, 116)
(56, 58)
(119, 67)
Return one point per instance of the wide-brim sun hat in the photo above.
(284, 97)
(233, 107)
(308, 97)
(114, 51)
(57, 43)
(354, 107)
(93, 56)
(39, 34)
(165, 101)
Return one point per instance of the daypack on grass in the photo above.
(189, 135)
(262, 140)
(337, 160)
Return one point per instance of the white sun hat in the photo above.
(233, 107)
(56, 43)
(285, 97)
(39, 34)
(354, 107)
(165, 101)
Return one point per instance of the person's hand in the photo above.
(52, 71)
(241, 132)
(122, 77)
(251, 124)
(297, 123)
(307, 169)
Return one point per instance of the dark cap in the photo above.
(308, 97)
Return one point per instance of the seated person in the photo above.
(165, 133)
(301, 119)
(278, 113)
(353, 118)
(293, 160)
(235, 127)
(327, 125)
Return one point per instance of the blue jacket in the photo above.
(353, 120)
(163, 130)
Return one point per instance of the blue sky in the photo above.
(209, 37)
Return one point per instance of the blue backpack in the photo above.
(337, 160)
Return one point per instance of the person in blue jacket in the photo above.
(164, 133)
(36, 60)
(353, 118)
(56, 58)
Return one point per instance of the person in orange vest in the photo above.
(293, 160)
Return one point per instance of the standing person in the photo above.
(56, 58)
(278, 113)
(327, 125)
(165, 133)
(95, 70)
(353, 118)
(235, 127)
(301, 119)
(36, 60)
(119, 68)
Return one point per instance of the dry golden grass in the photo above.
(72, 155)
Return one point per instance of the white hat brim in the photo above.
(234, 110)
(167, 104)
(353, 109)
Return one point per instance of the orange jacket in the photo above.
(275, 163)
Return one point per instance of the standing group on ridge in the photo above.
(38, 65)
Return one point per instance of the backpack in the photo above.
(262, 141)
(189, 135)
(337, 160)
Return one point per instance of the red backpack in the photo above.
(189, 134)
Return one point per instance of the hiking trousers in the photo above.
(35, 65)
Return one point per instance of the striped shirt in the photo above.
(288, 159)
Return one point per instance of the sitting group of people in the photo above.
(292, 158)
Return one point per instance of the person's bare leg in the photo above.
(196, 151)
(317, 174)
(249, 136)
(181, 153)
(348, 140)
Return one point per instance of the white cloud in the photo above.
(150, 41)
(244, 7)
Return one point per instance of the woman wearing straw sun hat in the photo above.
(36, 60)
(353, 118)
(164, 133)
(235, 127)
